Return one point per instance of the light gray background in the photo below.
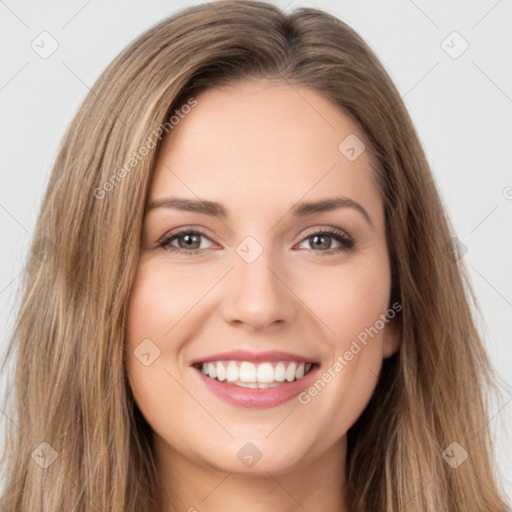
(462, 108)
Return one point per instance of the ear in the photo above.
(392, 337)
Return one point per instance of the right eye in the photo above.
(191, 241)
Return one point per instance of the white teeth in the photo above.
(251, 375)
(280, 372)
(290, 372)
(221, 372)
(265, 373)
(232, 372)
(246, 384)
(212, 370)
(247, 372)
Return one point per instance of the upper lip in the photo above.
(255, 357)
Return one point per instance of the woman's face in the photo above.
(290, 288)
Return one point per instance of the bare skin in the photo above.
(259, 148)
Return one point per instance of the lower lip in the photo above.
(257, 398)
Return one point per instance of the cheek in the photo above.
(160, 297)
(349, 299)
(164, 304)
(352, 304)
(152, 311)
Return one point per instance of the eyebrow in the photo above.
(303, 209)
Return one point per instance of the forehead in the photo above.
(260, 142)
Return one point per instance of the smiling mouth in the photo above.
(255, 375)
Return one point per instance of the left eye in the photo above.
(318, 238)
(189, 241)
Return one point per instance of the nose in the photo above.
(258, 296)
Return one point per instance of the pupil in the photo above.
(189, 240)
(325, 245)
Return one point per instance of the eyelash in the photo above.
(340, 236)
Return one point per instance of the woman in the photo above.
(254, 365)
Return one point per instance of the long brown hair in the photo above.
(76, 440)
